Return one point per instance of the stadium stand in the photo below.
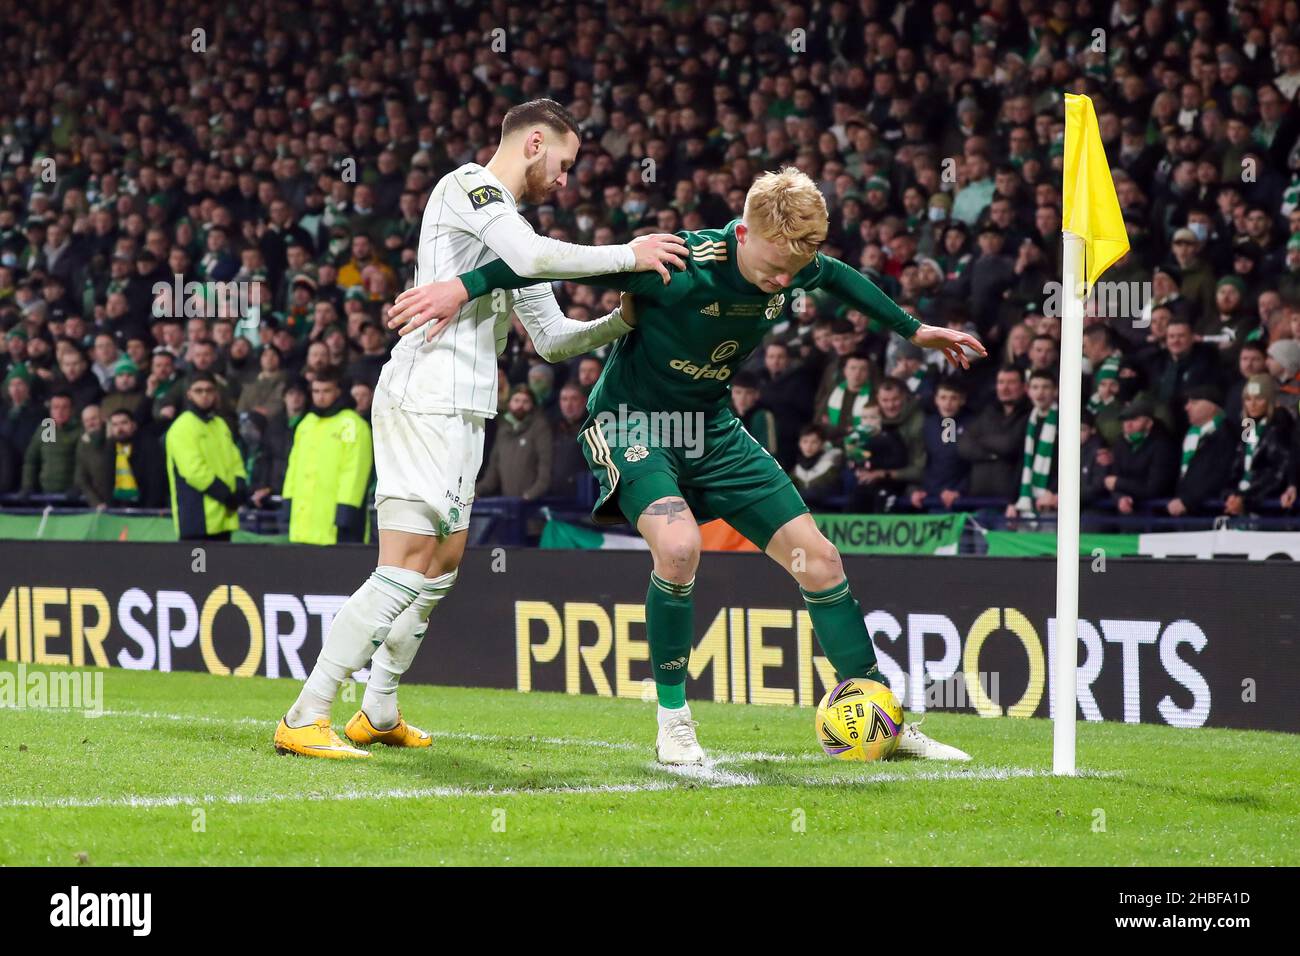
(290, 151)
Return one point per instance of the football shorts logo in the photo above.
(636, 453)
(711, 309)
(725, 351)
(774, 306)
(483, 195)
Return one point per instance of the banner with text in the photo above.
(1185, 643)
(893, 534)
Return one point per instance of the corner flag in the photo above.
(1091, 207)
(1094, 238)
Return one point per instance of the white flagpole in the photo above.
(1067, 521)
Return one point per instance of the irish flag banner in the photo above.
(562, 534)
(714, 536)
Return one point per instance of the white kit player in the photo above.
(435, 393)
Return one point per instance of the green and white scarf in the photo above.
(1192, 440)
(1040, 446)
(1096, 405)
(1109, 368)
(1252, 446)
(1291, 197)
(835, 404)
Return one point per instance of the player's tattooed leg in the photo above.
(674, 509)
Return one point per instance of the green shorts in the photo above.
(719, 469)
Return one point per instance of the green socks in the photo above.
(837, 622)
(670, 626)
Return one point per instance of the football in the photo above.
(859, 719)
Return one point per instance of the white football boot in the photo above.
(676, 744)
(913, 743)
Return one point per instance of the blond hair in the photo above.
(787, 208)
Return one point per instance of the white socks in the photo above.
(361, 626)
(393, 659)
(665, 714)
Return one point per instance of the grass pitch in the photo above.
(180, 771)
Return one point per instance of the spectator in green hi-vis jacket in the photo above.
(205, 470)
(329, 469)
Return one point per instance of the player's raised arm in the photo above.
(540, 257)
(557, 337)
(851, 286)
(439, 302)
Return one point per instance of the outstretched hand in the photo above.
(657, 252)
(436, 302)
(952, 342)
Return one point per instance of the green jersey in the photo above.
(694, 332)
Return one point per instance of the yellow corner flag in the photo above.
(1091, 206)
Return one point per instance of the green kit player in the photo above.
(668, 451)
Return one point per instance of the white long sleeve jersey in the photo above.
(471, 220)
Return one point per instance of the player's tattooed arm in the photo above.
(674, 509)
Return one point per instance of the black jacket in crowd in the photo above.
(1274, 465)
(994, 444)
(790, 399)
(1149, 470)
(945, 469)
(1171, 379)
(1207, 472)
(17, 426)
(1092, 476)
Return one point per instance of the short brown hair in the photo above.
(541, 112)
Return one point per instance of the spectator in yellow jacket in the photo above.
(205, 470)
(329, 468)
(354, 272)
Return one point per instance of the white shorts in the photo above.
(426, 465)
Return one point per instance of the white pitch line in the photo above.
(445, 734)
(707, 775)
(759, 756)
(399, 793)
(716, 757)
(710, 775)
(974, 773)
(744, 757)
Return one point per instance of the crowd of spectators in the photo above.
(289, 148)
